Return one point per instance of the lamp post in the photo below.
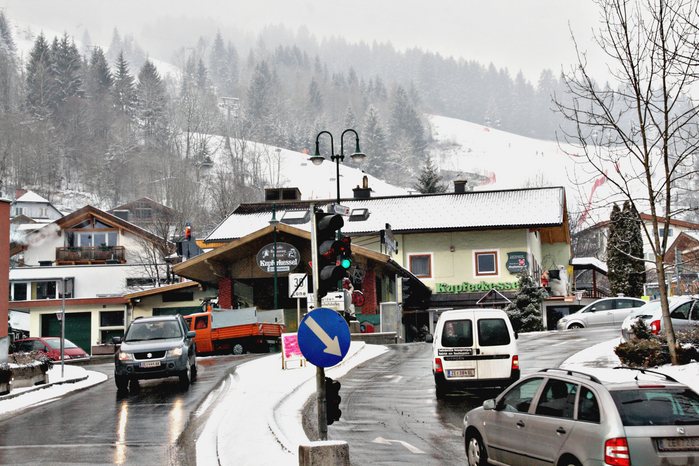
(357, 156)
(274, 222)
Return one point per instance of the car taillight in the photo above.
(616, 452)
(515, 362)
(438, 365)
(655, 327)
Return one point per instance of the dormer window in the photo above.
(296, 217)
(359, 215)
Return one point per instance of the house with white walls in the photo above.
(84, 262)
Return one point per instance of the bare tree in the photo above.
(642, 136)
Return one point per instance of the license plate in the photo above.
(679, 444)
(462, 373)
(149, 364)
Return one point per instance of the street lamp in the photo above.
(357, 156)
(274, 222)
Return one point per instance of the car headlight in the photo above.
(125, 356)
(174, 352)
(563, 320)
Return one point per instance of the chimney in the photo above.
(459, 184)
(365, 191)
(19, 193)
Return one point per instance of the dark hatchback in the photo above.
(155, 347)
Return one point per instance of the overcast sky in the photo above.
(527, 35)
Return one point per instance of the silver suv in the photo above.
(567, 418)
(155, 347)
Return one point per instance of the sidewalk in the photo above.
(269, 422)
(74, 378)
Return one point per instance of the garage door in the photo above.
(78, 328)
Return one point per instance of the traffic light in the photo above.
(345, 252)
(188, 232)
(415, 294)
(329, 249)
(407, 290)
(332, 400)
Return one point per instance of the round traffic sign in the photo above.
(323, 337)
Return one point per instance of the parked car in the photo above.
(684, 313)
(155, 347)
(473, 348)
(567, 418)
(52, 347)
(606, 312)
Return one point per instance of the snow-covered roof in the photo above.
(31, 196)
(523, 208)
(589, 263)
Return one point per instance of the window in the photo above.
(201, 322)
(661, 232)
(46, 290)
(521, 395)
(588, 409)
(421, 265)
(140, 282)
(558, 399)
(43, 212)
(19, 211)
(486, 263)
(112, 319)
(457, 334)
(19, 292)
(493, 332)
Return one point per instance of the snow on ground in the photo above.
(21, 398)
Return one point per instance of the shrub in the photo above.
(645, 349)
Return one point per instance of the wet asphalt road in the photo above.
(390, 414)
(155, 425)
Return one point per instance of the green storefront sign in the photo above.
(516, 262)
(475, 287)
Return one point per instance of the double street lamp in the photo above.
(357, 156)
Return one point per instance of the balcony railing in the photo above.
(91, 255)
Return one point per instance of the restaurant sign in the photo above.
(516, 262)
(288, 258)
(475, 287)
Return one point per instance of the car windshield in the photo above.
(55, 343)
(140, 331)
(657, 406)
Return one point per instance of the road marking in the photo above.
(410, 448)
(396, 378)
(332, 345)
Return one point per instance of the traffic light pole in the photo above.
(320, 371)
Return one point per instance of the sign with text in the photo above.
(298, 285)
(288, 258)
(516, 262)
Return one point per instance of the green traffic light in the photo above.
(345, 263)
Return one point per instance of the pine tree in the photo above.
(430, 181)
(315, 100)
(373, 142)
(66, 69)
(99, 76)
(406, 123)
(151, 102)
(525, 309)
(40, 88)
(625, 252)
(124, 89)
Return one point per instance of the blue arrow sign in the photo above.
(324, 337)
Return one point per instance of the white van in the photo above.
(474, 348)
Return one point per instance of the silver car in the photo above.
(684, 313)
(567, 418)
(604, 312)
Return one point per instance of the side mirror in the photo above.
(191, 334)
(489, 404)
(116, 340)
(516, 335)
(428, 338)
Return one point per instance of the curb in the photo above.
(41, 387)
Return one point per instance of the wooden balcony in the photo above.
(91, 255)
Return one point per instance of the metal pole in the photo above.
(322, 406)
(275, 268)
(63, 328)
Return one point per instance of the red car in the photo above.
(52, 347)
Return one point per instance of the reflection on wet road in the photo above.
(97, 426)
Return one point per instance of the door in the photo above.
(552, 421)
(493, 348)
(508, 429)
(456, 350)
(623, 308)
(78, 328)
(599, 314)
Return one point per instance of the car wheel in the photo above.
(122, 382)
(238, 348)
(575, 326)
(475, 450)
(194, 368)
(568, 461)
(186, 376)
